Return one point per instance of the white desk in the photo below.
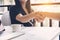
(37, 33)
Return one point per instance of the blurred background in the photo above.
(37, 5)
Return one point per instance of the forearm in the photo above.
(25, 18)
(53, 15)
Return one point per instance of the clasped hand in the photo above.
(39, 16)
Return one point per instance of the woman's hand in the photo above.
(39, 16)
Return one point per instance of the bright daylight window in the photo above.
(3, 3)
(1, 8)
(46, 6)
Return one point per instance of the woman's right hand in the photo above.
(39, 16)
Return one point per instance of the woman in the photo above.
(20, 15)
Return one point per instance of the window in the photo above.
(3, 3)
(1, 8)
(46, 6)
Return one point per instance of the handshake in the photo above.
(39, 16)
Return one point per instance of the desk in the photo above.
(38, 33)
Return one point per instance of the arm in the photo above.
(28, 17)
(24, 18)
(52, 15)
(42, 17)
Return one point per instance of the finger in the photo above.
(42, 16)
(38, 19)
